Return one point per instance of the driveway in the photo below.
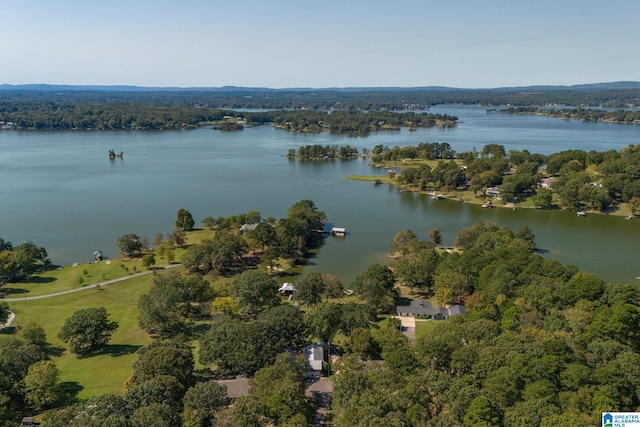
(321, 390)
(408, 326)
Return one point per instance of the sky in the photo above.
(319, 44)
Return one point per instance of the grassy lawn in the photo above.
(66, 278)
(107, 372)
(425, 327)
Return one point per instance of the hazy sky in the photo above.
(286, 43)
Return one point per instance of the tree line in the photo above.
(349, 99)
(140, 115)
(584, 114)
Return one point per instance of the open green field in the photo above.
(106, 372)
(68, 277)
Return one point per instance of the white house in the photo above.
(315, 355)
(287, 289)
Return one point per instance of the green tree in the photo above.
(417, 270)
(279, 393)
(15, 359)
(483, 412)
(157, 415)
(172, 300)
(164, 358)
(148, 261)
(33, 334)
(209, 222)
(333, 287)
(401, 242)
(265, 234)
(376, 287)
(184, 220)
(236, 346)
(324, 321)
(436, 237)
(543, 198)
(101, 410)
(310, 289)
(42, 387)
(362, 343)
(19, 263)
(4, 312)
(254, 290)
(130, 245)
(87, 330)
(164, 389)
(202, 402)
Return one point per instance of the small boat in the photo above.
(113, 155)
(488, 204)
(377, 182)
(581, 213)
(628, 217)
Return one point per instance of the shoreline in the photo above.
(460, 196)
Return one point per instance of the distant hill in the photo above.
(592, 87)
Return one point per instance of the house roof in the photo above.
(248, 227)
(314, 352)
(236, 388)
(287, 287)
(425, 308)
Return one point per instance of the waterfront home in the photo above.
(287, 289)
(492, 191)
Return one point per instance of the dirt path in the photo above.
(84, 288)
(8, 322)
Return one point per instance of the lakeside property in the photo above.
(603, 182)
(73, 200)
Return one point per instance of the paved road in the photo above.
(84, 288)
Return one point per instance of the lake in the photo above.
(60, 190)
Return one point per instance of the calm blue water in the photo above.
(59, 189)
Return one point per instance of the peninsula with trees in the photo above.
(574, 179)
